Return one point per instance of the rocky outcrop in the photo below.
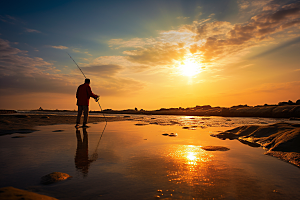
(285, 111)
(7, 111)
(281, 140)
(11, 193)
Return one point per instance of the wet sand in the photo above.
(184, 164)
(27, 123)
(138, 162)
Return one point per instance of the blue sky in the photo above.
(149, 54)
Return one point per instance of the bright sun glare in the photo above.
(189, 68)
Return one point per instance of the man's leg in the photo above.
(85, 114)
(80, 109)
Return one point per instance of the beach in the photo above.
(14, 123)
(143, 157)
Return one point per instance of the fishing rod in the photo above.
(77, 65)
(98, 99)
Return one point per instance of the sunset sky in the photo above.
(149, 54)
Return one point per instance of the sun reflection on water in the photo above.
(189, 165)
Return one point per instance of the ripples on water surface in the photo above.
(138, 162)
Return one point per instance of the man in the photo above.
(83, 95)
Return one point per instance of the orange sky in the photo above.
(246, 52)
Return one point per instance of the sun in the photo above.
(189, 68)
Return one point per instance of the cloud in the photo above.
(59, 47)
(103, 70)
(211, 42)
(8, 19)
(246, 66)
(134, 42)
(75, 50)
(6, 49)
(217, 29)
(20, 73)
(182, 17)
(105, 79)
(32, 30)
(223, 39)
(278, 48)
(252, 4)
(160, 54)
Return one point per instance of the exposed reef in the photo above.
(281, 140)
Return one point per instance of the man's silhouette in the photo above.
(82, 161)
(83, 95)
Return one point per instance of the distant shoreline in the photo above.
(282, 110)
(288, 111)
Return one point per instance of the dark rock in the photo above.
(22, 116)
(25, 131)
(173, 134)
(294, 118)
(165, 134)
(44, 117)
(58, 131)
(18, 136)
(215, 148)
(11, 193)
(54, 177)
(251, 144)
(140, 124)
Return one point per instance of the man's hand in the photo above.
(97, 98)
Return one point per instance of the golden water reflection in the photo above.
(189, 165)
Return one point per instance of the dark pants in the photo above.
(85, 110)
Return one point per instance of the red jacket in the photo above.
(83, 95)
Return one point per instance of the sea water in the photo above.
(132, 160)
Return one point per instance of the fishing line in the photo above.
(98, 99)
(95, 154)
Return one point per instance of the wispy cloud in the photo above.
(246, 66)
(134, 42)
(103, 70)
(23, 74)
(182, 17)
(59, 47)
(32, 30)
(160, 54)
(8, 19)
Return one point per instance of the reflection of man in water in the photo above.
(82, 161)
(83, 95)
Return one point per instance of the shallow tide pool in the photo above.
(131, 161)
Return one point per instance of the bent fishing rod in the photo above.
(98, 99)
